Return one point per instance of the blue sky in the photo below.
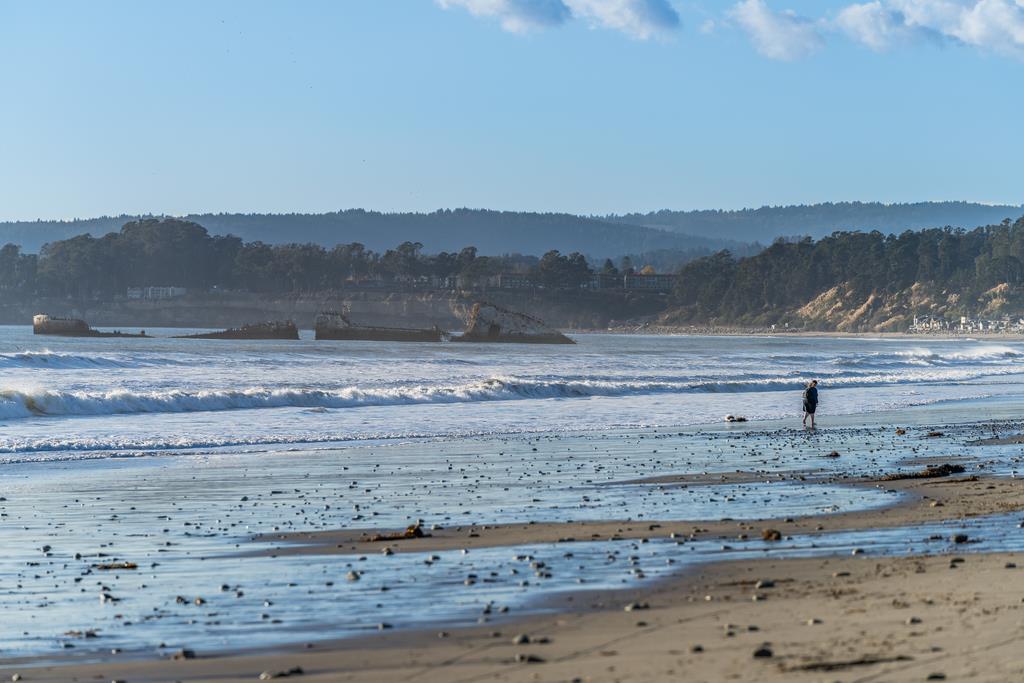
(588, 106)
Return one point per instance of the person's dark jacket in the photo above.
(811, 398)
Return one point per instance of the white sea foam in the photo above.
(986, 352)
(43, 402)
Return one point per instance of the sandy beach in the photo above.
(841, 619)
(949, 615)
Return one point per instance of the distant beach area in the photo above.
(761, 332)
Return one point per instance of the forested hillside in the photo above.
(818, 220)
(173, 252)
(859, 281)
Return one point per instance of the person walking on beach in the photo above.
(810, 401)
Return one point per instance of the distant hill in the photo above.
(683, 234)
(859, 281)
(818, 220)
(492, 232)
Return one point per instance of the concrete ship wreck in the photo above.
(73, 327)
(490, 323)
(333, 325)
(274, 329)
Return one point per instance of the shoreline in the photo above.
(693, 620)
(649, 330)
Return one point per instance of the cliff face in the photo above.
(839, 309)
(842, 309)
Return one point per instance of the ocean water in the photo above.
(63, 398)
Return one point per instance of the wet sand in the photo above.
(1012, 440)
(851, 618)
(848, 619)
(923, 500)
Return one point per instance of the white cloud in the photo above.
(637, 18)
(929, 14)
(874, 24)
(517, 16)
(777, 35)
(996, 25)
(990, 25)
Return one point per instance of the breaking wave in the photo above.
(68, 361)
(923, 357)
(24, 403)
(988, 352)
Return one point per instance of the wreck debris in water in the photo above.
(274, 329)
(490, 323)
(73, 327)
(334, 325)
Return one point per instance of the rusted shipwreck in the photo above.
(274, 329)
(73, 327)
(334, 325)
(490, 323)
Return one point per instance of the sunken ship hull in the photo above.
(267, 330)
(72, 327)
(336, 326)
(490, 323)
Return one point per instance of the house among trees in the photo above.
(646, 280)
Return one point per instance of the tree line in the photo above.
(955, 265)
(172, 252)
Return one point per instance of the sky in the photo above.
(586, 106)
